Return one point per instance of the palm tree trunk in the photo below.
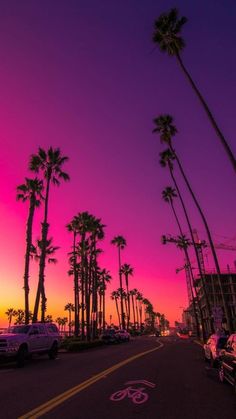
(141, 315)
(103, 309)
(27, 257)
(91, 290)
(100, 311)
(45, 227)
(117, 309)
(121, 296)
(209, 114)
(69, 312)
(134, 319)
(87, 300)
(229, 322)
(82, 287)
(197, 256)
(136, 307)
(192, 279)
(76, 287)
(128, 299)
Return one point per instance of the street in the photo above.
(168, 380)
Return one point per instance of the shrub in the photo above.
(76, 346)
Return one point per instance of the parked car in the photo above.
(110, 336)
(227, 362)
(212, 348)
(123, 335)
(22, 341)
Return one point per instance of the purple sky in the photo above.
(83, 76)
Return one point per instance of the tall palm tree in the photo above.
(30, 191)
(115, 297)
(139, 300)
(166, 129)
(146, 303)
(105, 279)
(69, 307)
(50, 164)
(11, 312)
(167, 159)
(84, 226)
(127, 270)
(73, 227)
(96, 234)
(167, 35)
(168, 194)
(133, 294)
(36, 252)
(120, 242)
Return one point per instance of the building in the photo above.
(213, 294)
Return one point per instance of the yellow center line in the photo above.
(56, 401)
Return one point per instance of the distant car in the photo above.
(212, 348)
(183, 335)
(227, 362)
(123, 335)
(110, 336)
(165, 332)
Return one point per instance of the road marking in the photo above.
(145, 382)
(136, 394)
(56, 401)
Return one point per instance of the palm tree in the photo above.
(139, 300)
(127, 270)
(167, 35)
(59, 321)
(69, 307)
(50, 164)
(133, 294)
(64, 321)
(146, 303)
(120, 242)
(115, 296)
(11, 312)
(84, 225)
(20, 316)
(73, 227)
(30, 191)
(166, 129)
(167, 158)
(105, 279)
(96, 233)
(168, 194)
(48, 318)
(36, 251)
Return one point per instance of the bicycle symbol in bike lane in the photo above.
(136, 394)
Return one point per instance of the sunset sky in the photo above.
(83, 75)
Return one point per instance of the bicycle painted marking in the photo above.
(136, 394)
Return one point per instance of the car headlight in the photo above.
(13, 345)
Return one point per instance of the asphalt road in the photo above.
(171, 382)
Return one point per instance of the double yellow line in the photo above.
(56, 401)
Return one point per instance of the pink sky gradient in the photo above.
(83, 76)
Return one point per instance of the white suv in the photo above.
(21, 341)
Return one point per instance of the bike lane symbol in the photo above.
(136, 394)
